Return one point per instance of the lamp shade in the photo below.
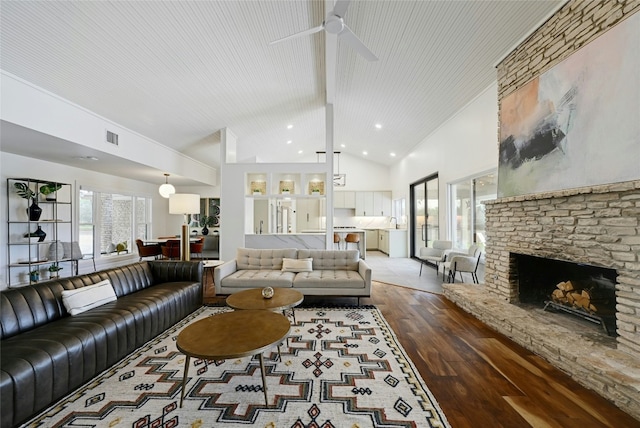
(184, 203)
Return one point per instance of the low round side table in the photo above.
(233, 334)
(283, 299)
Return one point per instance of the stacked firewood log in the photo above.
(571, 294)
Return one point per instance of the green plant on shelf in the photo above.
(207, 220)
(54, 268)
(24, 191)
(34, 275)
(49, 189)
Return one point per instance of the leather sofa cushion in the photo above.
(252, 278)
(332, 259)
(342, 279)
(249, 258)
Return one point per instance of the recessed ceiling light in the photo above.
(289, 141)
(299, 152)
(343, 145)
(289, 126)
(378, 126)
(91, 158)
(393, 155)
(365, 153)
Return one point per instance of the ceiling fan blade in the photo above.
(300, 34)
(348, 36)
(341, 7)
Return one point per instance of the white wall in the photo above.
(12, 166)
(27, 105)
(465, 145)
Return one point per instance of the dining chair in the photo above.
(148, 250)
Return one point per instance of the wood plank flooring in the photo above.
(478, 376)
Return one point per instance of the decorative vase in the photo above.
(56, 250)
(39, 233)
(34, 276)
(205, 230)
(267, 292)
(34, 211)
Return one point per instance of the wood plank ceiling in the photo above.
(179, 71)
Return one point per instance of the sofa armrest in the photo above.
(172, 271)
(224, 270)
(365, 272)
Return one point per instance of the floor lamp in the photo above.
(185, 204)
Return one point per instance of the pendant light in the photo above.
(166, 189)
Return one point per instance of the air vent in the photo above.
(112, 138)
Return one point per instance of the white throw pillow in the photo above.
(297, 265)
(82, 299)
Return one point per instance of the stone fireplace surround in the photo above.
(597, 225)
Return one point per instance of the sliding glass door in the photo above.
(468, 211)
(424, 213)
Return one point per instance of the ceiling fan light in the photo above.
(166, 189)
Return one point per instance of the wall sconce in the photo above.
(166, 189)
(185, 204)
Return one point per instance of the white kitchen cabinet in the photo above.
(307, 214)
(393, 242)
(349, 200)
(383, 241)
(373, 204)
(372, 239)
(338, 200)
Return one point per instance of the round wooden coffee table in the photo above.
(283, 299)
(232, 335)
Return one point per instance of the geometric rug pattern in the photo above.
(339, 367)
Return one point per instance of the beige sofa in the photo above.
(333, 272)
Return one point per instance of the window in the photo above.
(467, 210)
(111, 222)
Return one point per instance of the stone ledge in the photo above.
(588, 357)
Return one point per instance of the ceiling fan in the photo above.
(334, 24)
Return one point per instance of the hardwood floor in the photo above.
(478, 376)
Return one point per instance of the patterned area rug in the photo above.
(340, 367)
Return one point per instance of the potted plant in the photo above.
(24, 191)
(257, 192)
(285, 191)
(53, 270)
(315, 190)
(206, 221)
(49, 190)
(34, 275)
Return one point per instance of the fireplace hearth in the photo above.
(595, 227)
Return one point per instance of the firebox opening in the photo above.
(579, 288)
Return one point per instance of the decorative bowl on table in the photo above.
(267, 292)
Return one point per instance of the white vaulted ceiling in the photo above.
(179, 71)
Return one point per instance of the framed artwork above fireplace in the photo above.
(576, 124)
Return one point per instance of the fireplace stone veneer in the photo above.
(597, 225)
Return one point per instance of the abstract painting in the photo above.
(577, 124)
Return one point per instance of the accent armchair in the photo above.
(463, 262)
(436, 254)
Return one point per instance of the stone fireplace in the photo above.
(597, 226)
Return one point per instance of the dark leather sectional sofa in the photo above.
(45, 353)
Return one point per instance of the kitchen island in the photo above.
(306, 239)
(313, 240)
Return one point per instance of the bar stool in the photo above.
(352, 238)
(336, 239)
